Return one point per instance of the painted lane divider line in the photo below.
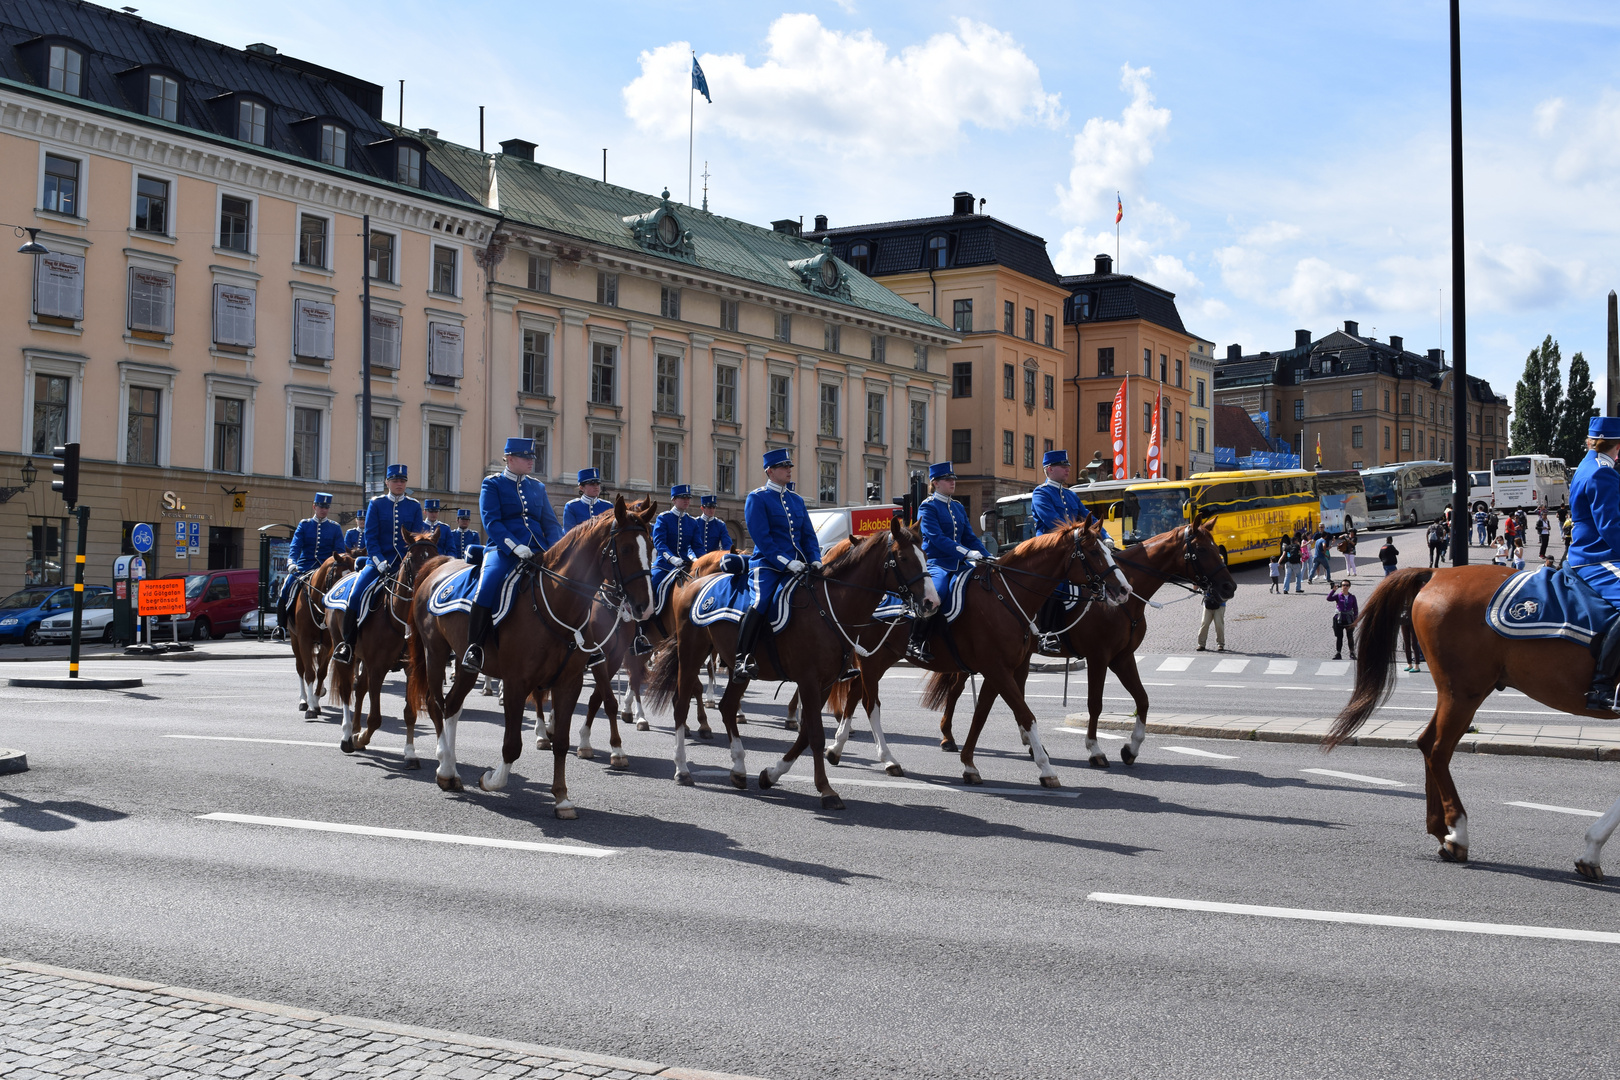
(919, 785)
(239, 738)
(1223, 686)
(1557, 933)
(411, 834)
(1557, 809)
(1356, 776)
(1081, 731)
(1191, 751)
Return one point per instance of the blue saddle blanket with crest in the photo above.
(1548, 604)
(340, 597)
(952, 595)
(456, 592)
(724, 598)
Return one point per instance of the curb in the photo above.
(159, 658)
(12, 761)
(46, 683)
(457, 1038)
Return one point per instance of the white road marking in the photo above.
(1194, 752)
(1557, 933)
(1333, 667)
(1175, 663)
(412, 834)
(1223, 686)
(1230, 666)
(1356, 776)
(1557, 809)
(1281, 667)
(1281, 687)
(1081, 731)
(238, 738)
(916, 785)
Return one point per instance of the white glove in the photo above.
(677, 561)
(380, 563)
(816, 566)
(291, 566)
(974, 556)
(523, 551)
(795, 567)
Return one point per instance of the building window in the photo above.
(142, 433)
(1051, 338)
(1199, 435)
(728, 314)
(1406, 403)
(536, 361)
(1299, 408)
(50, 412)
(962, 316)
(1164, 367)
(334, 146)
(874, 417)
(1355, 436)
(408, 166)
(919, 357)
(1046, 446)
(938, 247)
(1178, 372)
(784, 327)
(1029, 451)
(829, 410)
(668, 455)
(962, 379)
(444, 270)
(961, 445)
(1199, 383)
(1147, 363)
(539, 274)
(1007, 381)
(880, 349)
(1008, 313)
(669, 302)
(61, 185)
(725, 471)
(1029, 324)
(1105, 415)
(607, 289)
(1490, 422)
(446, 353)
(860, 257)
(438, 463)
(162, 97)
(1386, 406)
(151, 205)
(778, 401)
(832, 338)
(919, 425)
(312, 240)
(827, 485)
(1420, 407)
(1386, 437)
(306, 447)
(67, 65)
(151, 300)
(541, 434)
(725, 393)
(1406, 440)
(1355, 400)
(1006, 447)
(604, 361)
(378, 447)
(1178, 427)
(604, 455)
(874, 482)
(1105, 362)
(250, 122)
(1049, 391)
(382, 256)
(1147, 417)
(385, 327)
(667, 385)
(1029, 388)
(233, 222)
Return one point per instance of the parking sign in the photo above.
(195, 544)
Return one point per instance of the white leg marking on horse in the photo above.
(585, 739)
(1138, 733)
(738, 764)
(495, 779)
(876, 719)
(1092, 749)
(842, 735)
(1043, 762)
(447, 746)
(780, 769)
(348, 715)
(1459, 832)
(680, 752)
(410, 747)
(1599, 833)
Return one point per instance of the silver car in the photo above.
(95, 624)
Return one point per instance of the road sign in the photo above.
(163, 596)
(195, 544)
(239, 501)
(137, 568)
(140, 538)
(180, 533)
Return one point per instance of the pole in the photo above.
(1461, 484)
(480, 129)
(1611, 389)
(83, 514)
(604, 164)
(402, 103)
(691, 121)
(365, 358)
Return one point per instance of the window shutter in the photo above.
(314, 329)
(444, 350)
(233, 315)
(385, 340)
(59, 285)
(151, 300)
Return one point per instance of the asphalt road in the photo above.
(926, 930)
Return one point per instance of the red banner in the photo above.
(1155, 471)
(1117, 430)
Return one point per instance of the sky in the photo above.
(1282, 165)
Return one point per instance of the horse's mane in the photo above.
(1057, 538)
(844, 554)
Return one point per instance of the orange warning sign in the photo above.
(163, 596)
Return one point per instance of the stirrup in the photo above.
(343, 654)
(918, 651)
(849, 673)
(1600, 700)
(472, 660)
(640, 646)
(595, 656)
(744, 667)
(1050, 645)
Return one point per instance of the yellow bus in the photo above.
(1256, 508)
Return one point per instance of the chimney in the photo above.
(1302, 339)
(821, 223)
(1352, 328)
(1233, 352)
(262, 49)
(428, 133)
(518, 148)
(962, 203)
(787, 226)
(1105, 265)
(1396, 343)
(1437, 355)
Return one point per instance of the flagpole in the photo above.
(691, 124)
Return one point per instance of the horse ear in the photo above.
(619, 512)
(897, 528)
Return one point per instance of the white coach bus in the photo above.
(1407, 494)
(1528, 481)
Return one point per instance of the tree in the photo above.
(1537, 402)
(1579, 405)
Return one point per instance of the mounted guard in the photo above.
(462, 537)
(385, 543)
(1050, 505)
(949, 545)
(315, 540)
(589, 503)
(441, 532)
(672, 547)
(709, 532)
(784, 544)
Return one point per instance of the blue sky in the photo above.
(1282, 165)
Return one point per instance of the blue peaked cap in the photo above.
(322, 499)
(430, 504)
(1604, 427)
(707, 500)
(463, 512)
(590, 476)
(519, 447)
(680, 491)
(780, 456)
(941, 470)
(398, 471)
(1055, 457)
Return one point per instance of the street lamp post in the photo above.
(1461, 484)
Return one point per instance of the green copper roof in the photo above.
(563, 202)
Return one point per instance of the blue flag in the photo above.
(699, 83)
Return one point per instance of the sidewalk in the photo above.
(57, 1022)
(1593, 743)
(230, 648)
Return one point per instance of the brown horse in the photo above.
(310, 645)
(999, 606)
(541, 643)
(378, 648)
(1468, 660)
(812, 650)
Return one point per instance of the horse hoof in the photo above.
(542, 743)
(894, 770)
(831, 802)
(705, 733)
(684, 779)
(741, 719)
(587, 753)
(948, 745)
(765, 781)
(1050, 781)
(1450, 852)
(312, 714)
(566, 813)
(790, 725)
(642, 725)
(972, 778)
(1127, 755)
(1099, 761)
(834, 757)
(302, 704)
(449, 783)
(347, 745)
(739, 781)
(1588, 870)
(412, 763)
(619, 761)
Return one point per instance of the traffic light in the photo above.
(67, 467)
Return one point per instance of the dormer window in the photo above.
(408, 166)
(162, 97)
(660, 230)
(66, 70)
(334, 146)
(938, 247)
(860, 257)
(250, 117)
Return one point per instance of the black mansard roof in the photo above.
(1342, 352)
(899, 247)
(1110, 297)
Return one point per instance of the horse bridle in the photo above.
(618, 592)
(891, 566)
(1189, 555)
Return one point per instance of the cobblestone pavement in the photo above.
(55, 1022)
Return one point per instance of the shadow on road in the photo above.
(57, 815)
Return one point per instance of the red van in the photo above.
(217, 600)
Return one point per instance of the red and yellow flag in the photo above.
(1119, 208)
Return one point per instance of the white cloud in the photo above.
(1112, 155)
(846, 92)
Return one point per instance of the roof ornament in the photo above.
(660, 231)
(822, 273)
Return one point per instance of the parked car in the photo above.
(95, 620)
(250, 623)
(216, 602)
(23, 611)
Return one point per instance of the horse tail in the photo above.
(838, 697)
(416, 674)
(937, 690)
(1379, 630)
(665, 678)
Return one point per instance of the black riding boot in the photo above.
(917, 647)
(281, 617)
(743, 667)
(478, 623)
(344, 653)
(1601, 695)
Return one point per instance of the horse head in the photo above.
(419, 548)
(1202, 554)
(910, 572)
(1091, 555)
(626, 557)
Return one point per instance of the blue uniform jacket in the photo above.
(384, 519)
(709, 534)
(461, 540)
(947, 536)
(1594, 506)
(780, 527)
(672, 538)
(313, 542)
(579, 511)
(515, 511)
(1051, 503)
(442, 537)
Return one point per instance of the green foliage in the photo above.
(1578, 406)
(1538, 402)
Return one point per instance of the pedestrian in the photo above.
(1500, 556)
(1479, 528)
(1387, 555)
(1293, 571)
(1493, 525)
(1320, 559)
(1347, 548)
(1409, 644)
(1547, 563)
(1214, 613)
(1276, 574)
(1543, 531)
(1518, 556)
(1569, 529)
(1344, 619)
(1433, 538)
(1510, 530)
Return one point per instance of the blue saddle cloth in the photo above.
(1548, 604)
(891, 607)
(340, 597)
(456, 592)
(724, 598)
(952, 595)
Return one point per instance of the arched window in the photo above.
(860, 256)
(938, 247)
(334, 145)
(66, 70)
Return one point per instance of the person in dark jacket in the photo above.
(1388, 555)
(1344, 619)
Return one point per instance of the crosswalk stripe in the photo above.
(1281, 667)
(1356, 776)
(1333, 667)
(1230, 666)
(1558, 809)
(1191, 751)
(1175, 663)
